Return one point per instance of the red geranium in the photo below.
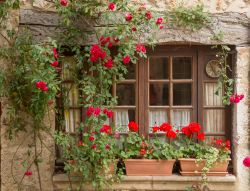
(200, 136)
(227, 144)
(219, 142)
(126, 59)
(246, 161)
(171, 134)
(111, 6)
(194, 127)
(148, 15)
(165, 127)
(128, 17)
(133, 126)
(186, 131)
(143, 152)
(155, 129)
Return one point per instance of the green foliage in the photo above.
(193, 18)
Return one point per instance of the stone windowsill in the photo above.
(166, 183)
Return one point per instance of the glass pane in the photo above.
(214, 121)
(126, 94)
(131, 71)
(157, 117)
(158, 94)
(68, 67)
(181, 118)
(182, 68)
(122, 118)
(158, 68)
(71, 94)
(72, 120)
(209, 93)
(182, 94)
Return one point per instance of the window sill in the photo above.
(166, 183)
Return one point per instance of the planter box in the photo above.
(149, 167)
(189, 167)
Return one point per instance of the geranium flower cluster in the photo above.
(167, 128)
(96, 111)
(193, 129)
(133, 126)
(222, 144)
(236, 98)
(143, 150)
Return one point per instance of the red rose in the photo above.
(110, 44)
(235, 98)
(128, 17)
(117, 135)
(134, 29)
(91, 138)
(109, 64)
(42, 86)
(111, 6)
(159, 21)
(55, 53)
(200, 136)
(155, 129)
(246, 161)
(171, 134)
(148, 15)
(106, 129)
(64, 3)
(161, 27)
(126, 59)
(28, 173)
(143, 152)
(109, 113)
(90, 111)
(140, 48)
(231, 99)
(165, 127)
(96, 52)
(97, 111)
(194, 127)
(133, 126)
(93, 146)
(107, 147)
(54, 64)
(80, 143)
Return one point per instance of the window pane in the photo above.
(214, 121)
(209, 95)
(126, 94)
(158, 94)
(131, 71)
(182, 68)
(182, 94)
(157, 117)
(181, 118)
(72, 119)
(122, 118)
(158, 68)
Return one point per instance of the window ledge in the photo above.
(166, 183)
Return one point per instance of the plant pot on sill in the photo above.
(149, 167)
(191, 167)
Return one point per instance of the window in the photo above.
(172, 86)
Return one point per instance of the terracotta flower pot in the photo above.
(149, 167)
(191, 167)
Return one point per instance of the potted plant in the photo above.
(153, 157)
(199, 158)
